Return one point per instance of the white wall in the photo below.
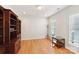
(62, 18)
(34, 28)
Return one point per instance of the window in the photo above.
(53, 27)
(74, 30)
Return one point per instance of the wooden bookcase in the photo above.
(10, 31)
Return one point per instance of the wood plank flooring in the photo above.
(41, 46)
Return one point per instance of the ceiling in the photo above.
(31, 11)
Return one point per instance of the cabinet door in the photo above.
(1, 27)
(17, 46)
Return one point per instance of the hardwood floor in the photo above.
(41, 46)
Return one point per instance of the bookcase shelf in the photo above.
(10, 31)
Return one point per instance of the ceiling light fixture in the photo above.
(39, 7)
(58, 8)
(24, 13)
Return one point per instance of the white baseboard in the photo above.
(32, 38)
